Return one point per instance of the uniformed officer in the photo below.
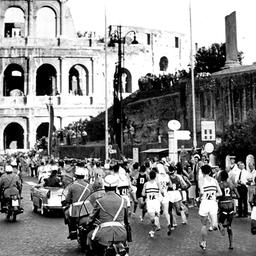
(10, 184)
(76, 194)
(111, 212)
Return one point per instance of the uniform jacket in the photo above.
(104, 211)
(75, 191)
(10, 184)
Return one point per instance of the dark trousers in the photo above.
(242, 201)
(33, 171)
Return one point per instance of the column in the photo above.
(60, 86)
(61, 18)
(30, 18)
(173, 147)
(91, 88)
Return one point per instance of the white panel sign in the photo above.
(208, 130)
(182, 135)
(135, 155)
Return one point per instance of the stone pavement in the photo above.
(37, 235)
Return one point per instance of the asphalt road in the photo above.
(34, 234)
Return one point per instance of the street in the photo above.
(34, 234)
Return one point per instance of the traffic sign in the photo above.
(182, 135)
(209, 147)
(174, 125)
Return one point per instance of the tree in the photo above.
(210, 60)
(239, 139)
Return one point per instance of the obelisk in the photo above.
(231, 41)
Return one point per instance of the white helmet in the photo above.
(80, 171)
(111, 181)
(8, 169)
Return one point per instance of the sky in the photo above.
(208, 18)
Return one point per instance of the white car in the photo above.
(46, 199)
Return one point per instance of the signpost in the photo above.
(173, 136)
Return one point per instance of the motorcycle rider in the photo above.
(10, 184)
(110, 211)
(77, 193)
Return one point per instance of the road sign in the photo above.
(182, 135)
(174, 125)
(209, 147)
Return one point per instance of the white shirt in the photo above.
(244, 177)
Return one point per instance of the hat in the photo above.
(232, 157)
(80, 171)
(196, 155)
(111, 180)
(8, 169)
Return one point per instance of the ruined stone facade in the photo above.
(41, 56)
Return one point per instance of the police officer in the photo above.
(111, 212)
(10, 184)
(77, 193)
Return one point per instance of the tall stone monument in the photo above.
(231, 41)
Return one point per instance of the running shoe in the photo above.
(210, 228)
(158, 228)
(151, 233)
(141, 219)
(169, 230)
(203, 245)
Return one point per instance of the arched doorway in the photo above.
(46, 80)
(13, 80)
(78, 80)
(13, 136)
(42, 130)
(126, 81)
(163, 63)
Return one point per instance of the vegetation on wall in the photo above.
(239, 139)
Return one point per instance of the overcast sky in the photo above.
(208, 18)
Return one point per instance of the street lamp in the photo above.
(117, 38)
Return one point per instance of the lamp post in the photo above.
(117, 38)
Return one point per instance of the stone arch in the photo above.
(163, 63)
(13, 80)
(46, 80)
(79, 80)
(46, 22)
(42, 130)
(14, 22)
(126, 80)
(14, 136)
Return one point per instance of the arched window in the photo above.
(163, 64)
(126, 81)
(13, 136)
(78, 80)
(14, 22)
(46, 23)
(46, 80)
(13, 81)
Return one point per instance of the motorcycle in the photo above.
(13, 207)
